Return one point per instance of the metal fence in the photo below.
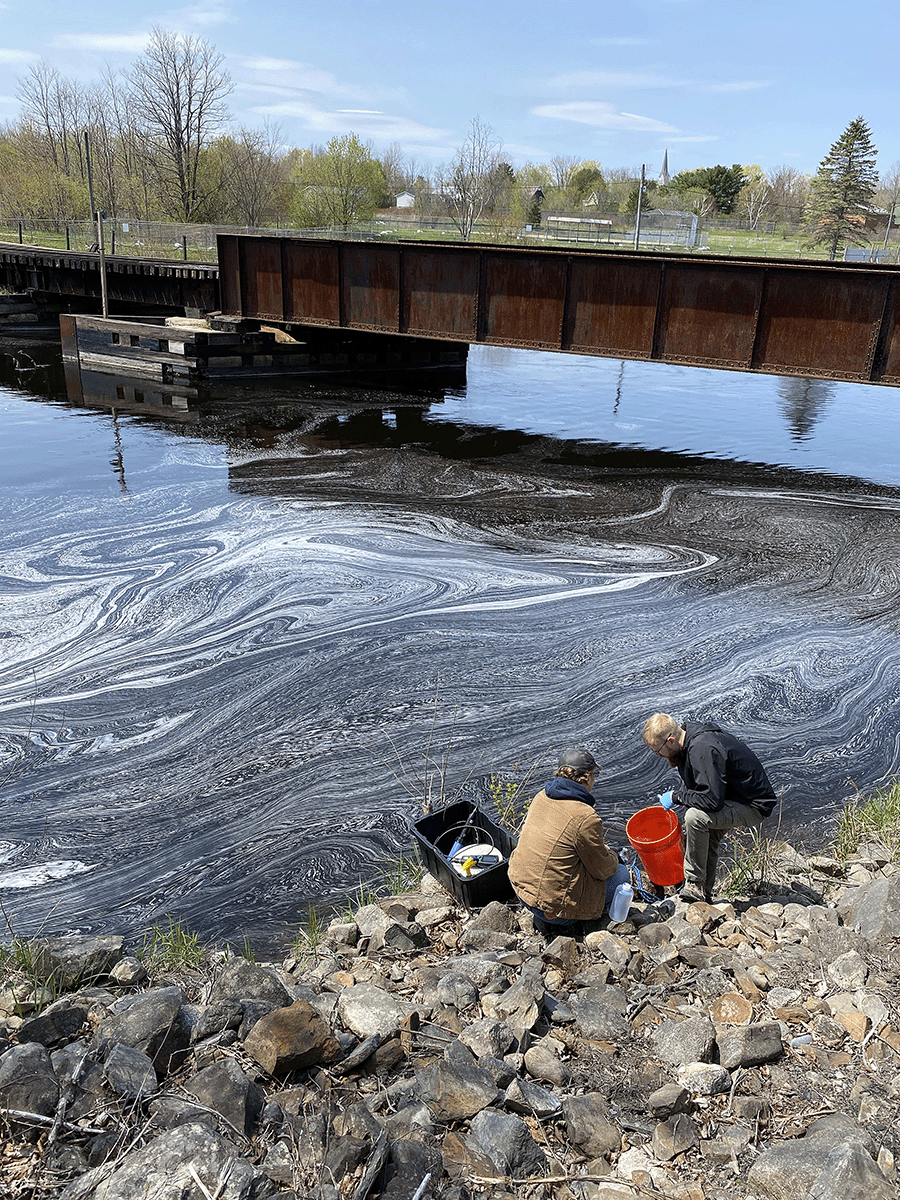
(169, 241)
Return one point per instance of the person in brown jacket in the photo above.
(562, 870)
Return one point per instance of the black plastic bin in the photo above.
(435, 835)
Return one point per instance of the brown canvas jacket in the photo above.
(562, 861)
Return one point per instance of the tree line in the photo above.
(163, 148)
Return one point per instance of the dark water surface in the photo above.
(226, 632)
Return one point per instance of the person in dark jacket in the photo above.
(725, 786)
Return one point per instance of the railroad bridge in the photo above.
(781, 316)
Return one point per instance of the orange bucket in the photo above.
(655, 833)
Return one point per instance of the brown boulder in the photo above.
(289, 1039)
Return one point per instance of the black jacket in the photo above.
(716, 767)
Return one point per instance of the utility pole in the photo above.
(640, 201)
(98, 218)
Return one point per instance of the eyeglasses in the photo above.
(659, 749)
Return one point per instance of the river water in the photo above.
(234, 638)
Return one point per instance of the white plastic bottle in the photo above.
(621, 902)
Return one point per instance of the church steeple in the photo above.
(664, 173)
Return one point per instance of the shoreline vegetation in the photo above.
(405, 1048)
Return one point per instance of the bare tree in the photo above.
(469, 184)
(394, 172)
(564, 168)
(253, 173)
(55, 106)
(887, 196)
(789, 189)
(178, 90)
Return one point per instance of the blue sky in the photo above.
(768, 83)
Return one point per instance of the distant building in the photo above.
(405, 200)
(663, 179)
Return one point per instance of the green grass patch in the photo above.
(309, 935)
(871, 818)
(751, 862)
(170, 948)
(400, 875)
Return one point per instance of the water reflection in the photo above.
(803, 402)
(261, 584)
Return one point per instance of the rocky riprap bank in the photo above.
(713, 1052)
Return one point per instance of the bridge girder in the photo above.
(820, 320)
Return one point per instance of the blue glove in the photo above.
(666, 800)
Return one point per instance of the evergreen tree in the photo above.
(841, 190)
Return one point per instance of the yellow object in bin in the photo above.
(472, 860)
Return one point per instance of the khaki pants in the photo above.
(703, 831)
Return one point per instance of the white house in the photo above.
(406, 200)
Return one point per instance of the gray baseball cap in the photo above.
(578, 759)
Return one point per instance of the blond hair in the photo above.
(660, 727)
(574, 774)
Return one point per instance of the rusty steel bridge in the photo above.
(776, 316)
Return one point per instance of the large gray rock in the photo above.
(486, 972)
(790, 1169)
(531, 1100)
(371, 920)
(599, 1014)
(875, 909)
(505, 1139)
(368, 1010)
(849, 971)
(704, 1079)
(543, 1061)
(151, 1022)
(520, 1005)
(749, 1045)
(486, 939)
(161, 1170)
(850, 1173)
(290, 1039)
(225, 1088)
(208, 1020)
(457, 991)
(674, 1136)
(588, 1125)
(241, 979)
(65, 962)
(27, 1080)
(494, 1038)
(129, 1073)
(497, 917)
(408, 1162)
(688, 1041)
(59, 1023)
(456, 1091)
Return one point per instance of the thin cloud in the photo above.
(212, 12)
(128, 43)
(591, 80)
(739, 85)
(647, 80)
(17, 56)
(272, 64)
(702, 137)
(601, 115)
(368, 122)
(296, 77)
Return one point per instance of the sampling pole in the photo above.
(640, 201)
(98, 217)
